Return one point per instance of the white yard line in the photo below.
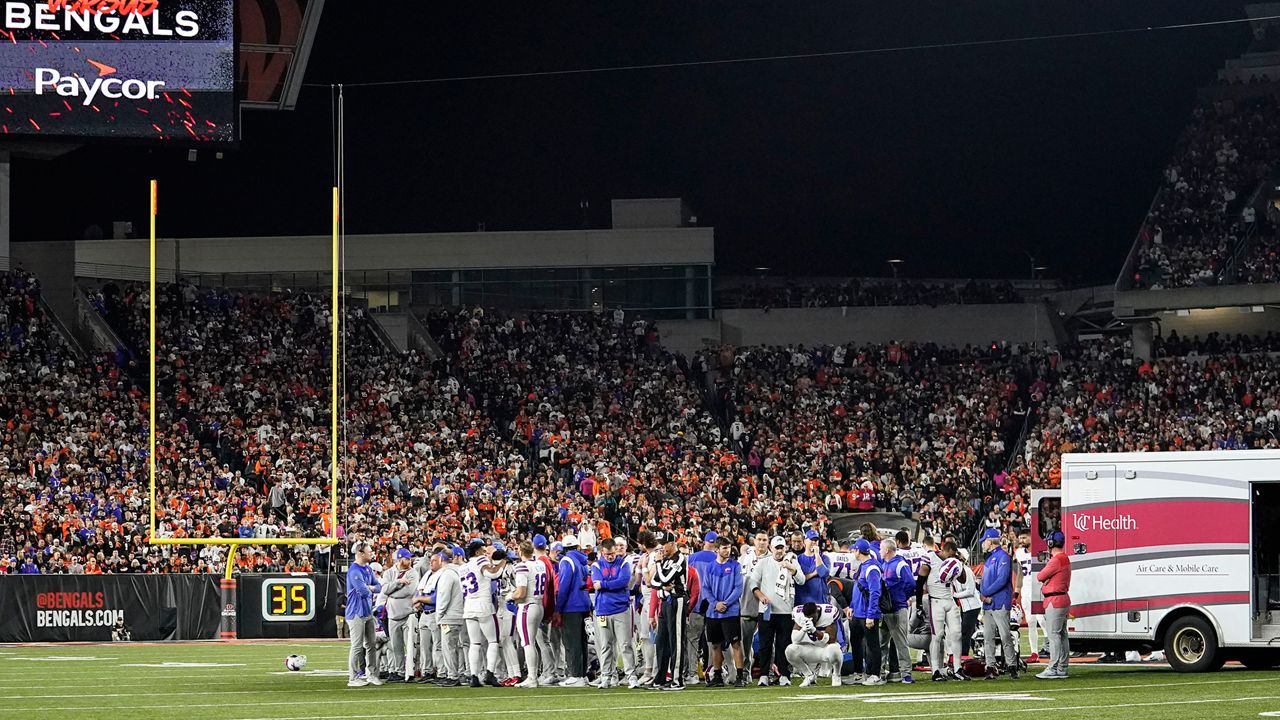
(1046, 710)
(1039, 708)
(429, 694)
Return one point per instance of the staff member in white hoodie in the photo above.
(774, 580)
(965, 590)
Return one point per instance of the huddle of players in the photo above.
(461, 615)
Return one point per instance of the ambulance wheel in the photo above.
(1191, 645)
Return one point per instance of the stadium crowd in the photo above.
(919, 429)
(557, 423)
(1198, 217)
(580, 427)
(858, 292)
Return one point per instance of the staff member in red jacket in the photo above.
(1055, 581)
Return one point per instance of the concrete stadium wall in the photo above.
(689, 336)
(435, 251)
(52, 263)
(1228, 321)
(1136, 302)
(947, 324)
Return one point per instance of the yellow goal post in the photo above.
(337, 321)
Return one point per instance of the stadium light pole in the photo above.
(893, 265)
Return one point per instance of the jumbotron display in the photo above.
(150, 69)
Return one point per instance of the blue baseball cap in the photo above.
(557, 547)
(404, 553)
(862, 546)
(991, 534)
(710, 537)
(811, 535)
(497, 545)
(1056, 538)
(539, 540)
(458, 551)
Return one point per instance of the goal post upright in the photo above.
(333, 397)
(227, 584)
(151, 355)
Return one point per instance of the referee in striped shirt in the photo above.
(671, 587)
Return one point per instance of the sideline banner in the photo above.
(81, 608)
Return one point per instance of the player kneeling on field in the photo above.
(814, 647)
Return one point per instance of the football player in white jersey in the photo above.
(1022, 555)
(478, 611)
(507, 617)
(941, 569)
(814, 648)
(530, 587)
(912, 552)
(844, 564)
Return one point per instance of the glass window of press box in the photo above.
(656, 291)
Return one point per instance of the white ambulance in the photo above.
(1173, 550)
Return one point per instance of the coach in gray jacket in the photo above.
(399, 583)
(453, 634)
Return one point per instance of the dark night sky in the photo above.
(957, 160)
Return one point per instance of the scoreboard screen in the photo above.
(288, 600)
(143, 69)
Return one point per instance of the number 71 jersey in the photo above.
(843, 565)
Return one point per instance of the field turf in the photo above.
(248, 681)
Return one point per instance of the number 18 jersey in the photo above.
(532, 576)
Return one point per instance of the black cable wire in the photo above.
(800, 56)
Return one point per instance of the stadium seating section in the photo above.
(551, 422)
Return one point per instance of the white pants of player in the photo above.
(453, 650)
(1034, 623)
(430, 655)
(613, 638)
(649, 650)
(533, 638)
(483, 653)
(810, 659)
(944, 623)
(507, 643)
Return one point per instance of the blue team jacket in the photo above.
(866, 597)
(997, 580)
(571, 581)
(611, 580)
(359, 596)
(814, 589)
(900, 581)
(722, 582)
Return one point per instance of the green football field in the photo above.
(248, 681)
